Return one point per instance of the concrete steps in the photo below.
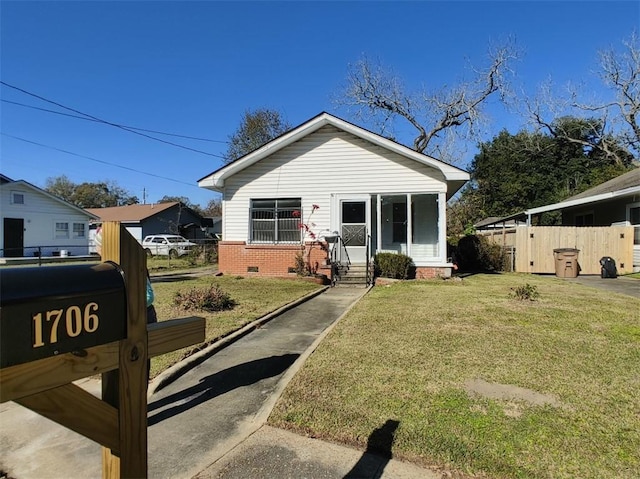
(353, 276)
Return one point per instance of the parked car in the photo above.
(167, 245)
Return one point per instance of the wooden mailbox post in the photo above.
(44, 384)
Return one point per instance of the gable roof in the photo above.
(215, 180)
(619, 183)
(131, 213)
(25, 184)
(5, 179)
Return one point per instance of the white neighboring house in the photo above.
(378, 195)
(36, 222)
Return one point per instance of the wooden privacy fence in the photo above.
(534, 245)
(93, 322)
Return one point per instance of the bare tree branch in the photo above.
(615, 123)
(376, 93)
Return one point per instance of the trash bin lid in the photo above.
(566, 250)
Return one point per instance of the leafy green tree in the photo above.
(256, 128)
(512, 173)
(60, 186)
(182, 200)
(90, 195)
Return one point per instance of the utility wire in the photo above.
(108, 122)
(125, 126)
(96, 160)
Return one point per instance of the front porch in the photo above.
(409, 223)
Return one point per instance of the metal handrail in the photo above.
(339, 258)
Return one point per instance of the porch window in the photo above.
(410, 225)
(275, 220)
(424, 221)
(400, 222)
(394, 223)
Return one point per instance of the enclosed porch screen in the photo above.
(409, 224)
(275, 220)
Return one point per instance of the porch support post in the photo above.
(442, 226)
(409, 224)
(379, 223)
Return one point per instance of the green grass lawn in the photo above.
(409, 352)
(254, 297)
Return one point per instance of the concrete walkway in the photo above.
(209, 421)
(621, 284)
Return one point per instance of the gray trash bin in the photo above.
(566, 261)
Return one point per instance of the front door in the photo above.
(13, 237)
(354, 228)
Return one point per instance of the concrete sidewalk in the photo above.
(621, 284)
(209, 421)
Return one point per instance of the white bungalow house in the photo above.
(35, 222)
(345, 183)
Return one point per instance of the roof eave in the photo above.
(581, 201)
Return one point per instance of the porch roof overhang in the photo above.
(455, 177)
(570, 203)
(611, 195)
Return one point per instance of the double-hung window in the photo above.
(78, 230)
(275, 220)
(62, 230)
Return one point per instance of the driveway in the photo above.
(621, 284)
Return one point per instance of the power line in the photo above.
(125, 126)
(96, 160)
(108, 122)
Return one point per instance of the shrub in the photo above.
(526, 292)
(211, 299)
(301, 265)
(477, 253)
(492, 255)
(202, 254)
(393, 265)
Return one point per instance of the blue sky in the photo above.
(193, 68)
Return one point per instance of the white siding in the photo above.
(40, 214)
(326, 162)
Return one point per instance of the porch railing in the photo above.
(340, 261)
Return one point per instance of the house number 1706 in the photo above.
(75, 319)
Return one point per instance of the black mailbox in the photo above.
(59, 309)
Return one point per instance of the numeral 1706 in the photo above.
(76, 320)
